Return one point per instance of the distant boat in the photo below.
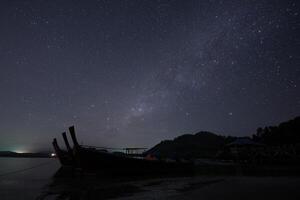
(92, 159)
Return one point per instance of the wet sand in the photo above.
(39, 183)
(24, 178)
(211, 188)
(231, 188)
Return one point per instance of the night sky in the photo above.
(132, 73)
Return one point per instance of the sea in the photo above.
(25, 178)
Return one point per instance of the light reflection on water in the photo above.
(17, 183)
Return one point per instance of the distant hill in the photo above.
(23, 155)
(200, 145)
(207, 145)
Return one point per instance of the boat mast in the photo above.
(66, 142)
(73, 136)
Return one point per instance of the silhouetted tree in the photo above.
(285, 133)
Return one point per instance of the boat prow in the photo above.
(92, 159)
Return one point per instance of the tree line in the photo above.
(285, 133)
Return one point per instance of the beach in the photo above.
(38, 182)
(231, 188)
(200, 187)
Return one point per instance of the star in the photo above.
(133, 70)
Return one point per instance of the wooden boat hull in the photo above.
(94, 160)
(91, 160)
(63, 156)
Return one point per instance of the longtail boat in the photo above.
(92, 159)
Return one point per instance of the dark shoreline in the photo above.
(9, 154)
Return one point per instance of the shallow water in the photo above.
(24, 178)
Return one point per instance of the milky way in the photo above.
(131, 73)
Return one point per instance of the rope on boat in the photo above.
(25, 169)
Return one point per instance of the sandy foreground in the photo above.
(225, 188)
(178, 188)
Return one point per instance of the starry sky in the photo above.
(134, 72)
